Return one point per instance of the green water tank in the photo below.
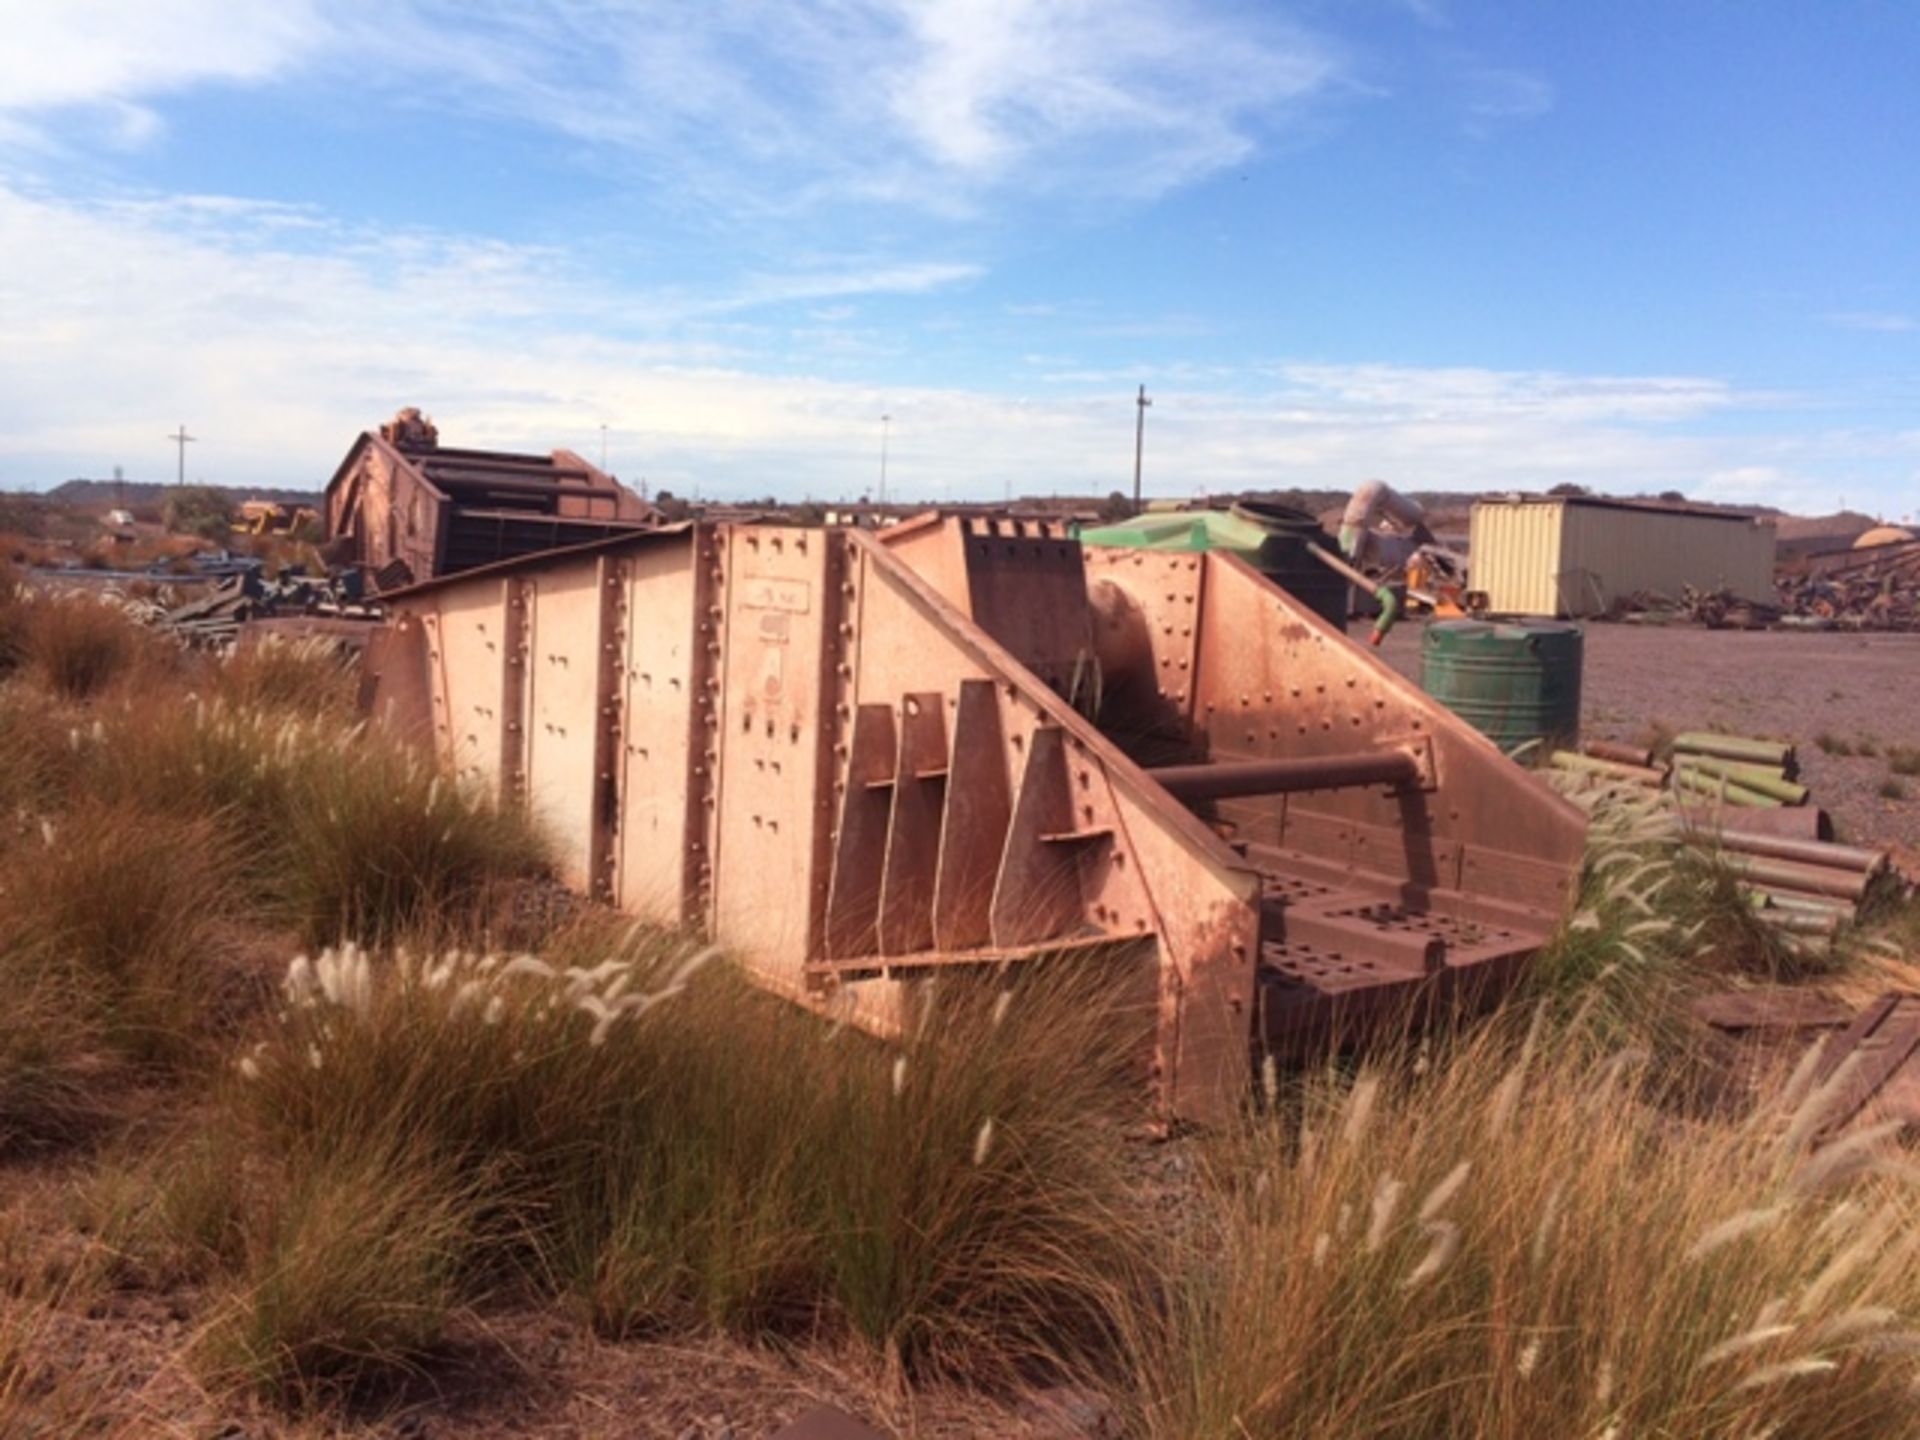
(1272, 538)
(1512, 680)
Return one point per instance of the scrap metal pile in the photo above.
(970, 745)
(1876, 587)
(1873, 588)
(291, 603)
(1741, 799)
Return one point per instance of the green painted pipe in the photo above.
(1753, 777)
(1722, 788)
(1735, 747)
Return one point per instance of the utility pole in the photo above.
(182, 439)
(1139, 443)
(885, 422)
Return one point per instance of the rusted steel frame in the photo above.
(996, 659)
(1811, 879)
(603, 851)
(517, 650)
(1228, 779)
(703, 752)
(840, 639)
(1207, 941)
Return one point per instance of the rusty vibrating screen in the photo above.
(860, 759)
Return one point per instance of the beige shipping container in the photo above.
(1571, 556)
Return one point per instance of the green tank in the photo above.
(1270, 537)
(1514, 681)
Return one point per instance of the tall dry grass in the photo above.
(1521, 1243)
(646, 1134)
(75, 645)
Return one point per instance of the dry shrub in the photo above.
(346, 830)
(40, 744)
(353, 1271)
(309, 677)
(76, 645)
(117, 913)
(49, 1079)
(1519, 1244)
(13, 620)
(678, 1149)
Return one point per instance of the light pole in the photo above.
(1139, 443)
(885, 422)
(603, 448)
(182, 439)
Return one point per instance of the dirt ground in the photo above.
(1860, 690)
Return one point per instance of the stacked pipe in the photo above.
(1741, 799)
(1799, 884)
(1738, 771)
(1609, 761)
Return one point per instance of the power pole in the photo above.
(885, 422)
(1139, 443)
(182, 439)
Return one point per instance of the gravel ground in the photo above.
(1860, 690)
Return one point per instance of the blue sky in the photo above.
(1636, 245)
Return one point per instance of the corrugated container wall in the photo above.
(1552, 557)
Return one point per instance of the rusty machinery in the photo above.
(861, 759)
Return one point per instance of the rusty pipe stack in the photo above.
(1741, 798)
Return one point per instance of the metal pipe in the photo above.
(1636, 755)
(1735, 747)
(1753, 777)
(1383, 595)
(1798, 822)
(1234, 778)
(1807, 852)
(1788, 874)
(1614, 769)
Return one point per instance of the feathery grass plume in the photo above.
(1747, 1340)
(1386, 1200)
(1449, 1186)
(1843, 1266)
(1787, 1370)
(1445, 1237)
(1850, 1324)
(1747, 1222)
(1359, 1110)
(1815, 1109)
(1838, 1159)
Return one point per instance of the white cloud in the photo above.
(1877, 320)
(930, 103)
(277, 334)
(1494, 97)
(109, 54)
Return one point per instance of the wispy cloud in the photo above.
(104, 58)
(1494, 97)
(935, 104)
(1885, 321)
(277, 343)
